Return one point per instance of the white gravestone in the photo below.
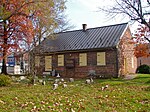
(16, 69)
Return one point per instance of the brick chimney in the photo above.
(84, 27)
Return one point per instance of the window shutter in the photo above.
(80, 60)
(48, 63)
(83, 59)
(37, 61)
(101, 60)
(60, 60)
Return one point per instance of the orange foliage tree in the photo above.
(17, 28)
(142, 38)
(141, 50)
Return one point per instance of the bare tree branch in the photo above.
(135, 9)
(148, 2)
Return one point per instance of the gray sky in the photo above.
(86, 12)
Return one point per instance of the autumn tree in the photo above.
(51, 19)
(45, 22)
(20, 21)
(16, 27)
(142, 41)
(141, 50)
(136, 10)
(142, 34)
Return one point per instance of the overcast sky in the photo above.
(86, 12)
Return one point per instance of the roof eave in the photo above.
(81, 50)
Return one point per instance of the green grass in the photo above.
(121, 96)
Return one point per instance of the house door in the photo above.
(70, 68)
(70, 72)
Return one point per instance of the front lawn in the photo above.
(120, 96)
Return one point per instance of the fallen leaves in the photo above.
(77, 97)
(2, 102)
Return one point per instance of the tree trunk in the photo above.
(4, 67)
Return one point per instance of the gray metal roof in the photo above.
(92, 38)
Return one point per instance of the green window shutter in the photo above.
(48, 63)
(60, 60)
(101, 58)
(82, 59)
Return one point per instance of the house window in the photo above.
(37, 61)
(140, 62)
(125, 65)
(101, 58)
(132, 60)
(48, 63)
(60, 60)
(82, 59)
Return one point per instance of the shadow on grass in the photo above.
(112, 81)
(141, 78)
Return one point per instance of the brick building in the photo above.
(106, 50)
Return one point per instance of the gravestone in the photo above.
(16, 69)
